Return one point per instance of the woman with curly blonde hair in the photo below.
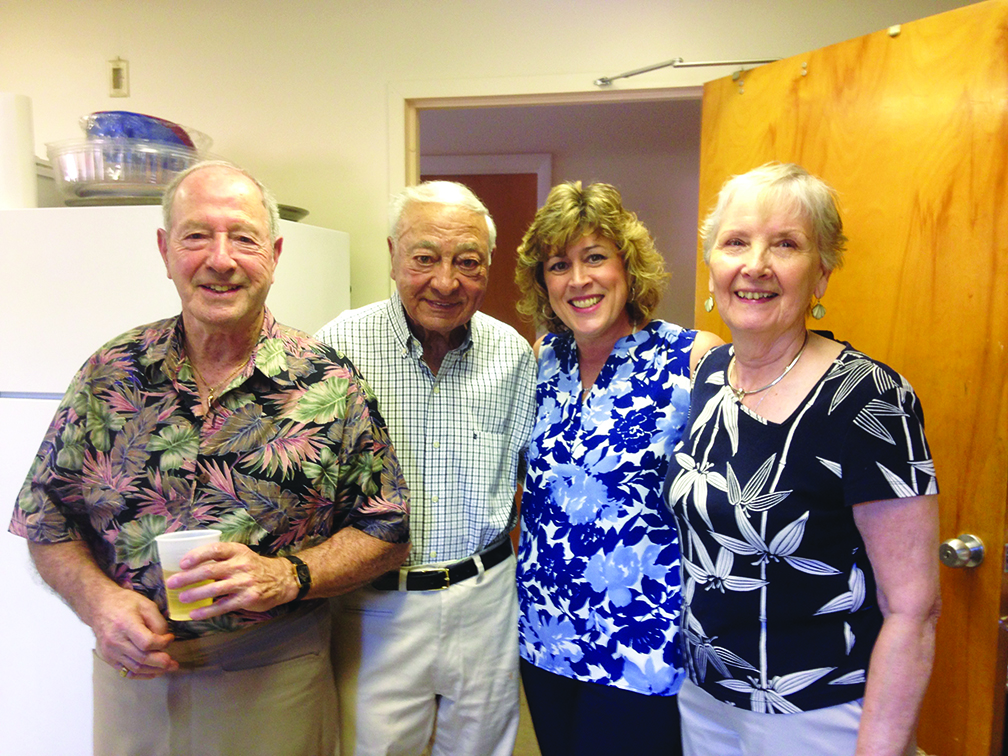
(598, 562)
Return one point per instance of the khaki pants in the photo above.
(275, 697)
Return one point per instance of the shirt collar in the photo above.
(164, 347)
(410, 343)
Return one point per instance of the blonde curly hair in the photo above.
(570, 213)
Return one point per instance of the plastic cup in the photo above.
(171, 548)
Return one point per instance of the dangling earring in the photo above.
(708, 303)
(818, 310)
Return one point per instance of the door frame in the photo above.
(406, 100)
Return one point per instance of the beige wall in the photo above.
(309, 95)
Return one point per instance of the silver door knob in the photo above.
(965, 551)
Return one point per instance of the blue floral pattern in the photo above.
(598, 563)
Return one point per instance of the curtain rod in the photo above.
(605, 81)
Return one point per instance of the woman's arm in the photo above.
(901, 536)
(703, 343)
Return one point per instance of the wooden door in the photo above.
(911, 126)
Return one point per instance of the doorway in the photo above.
(649, 149)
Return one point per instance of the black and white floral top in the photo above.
(780, 610)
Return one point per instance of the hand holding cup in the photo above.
(171, 548)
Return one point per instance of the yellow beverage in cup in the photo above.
(176, 609)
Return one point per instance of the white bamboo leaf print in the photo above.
(881, 408)
(925, 466)
(789, 538)
(849, 637)
(811, 566)
(734, 659)
(932, 487)
(833, 467)
(729, 411)
(869, 423)
(741, 585)
(759, 479)
(704, 652)
(792, 683)
(749, 533)
(725, 562)
(854, 373)
(736, 546)
(701, 551)
(857, 677)
(750, 497)
(773, 700)
(883, 382)
(705, 415)
(851, 600)
(770, 699)
(765, 501)
(711, 575)
(738, 686)
(899, 486)
(694, 478)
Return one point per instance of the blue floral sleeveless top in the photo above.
(598, 563)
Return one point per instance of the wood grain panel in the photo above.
(912, 130)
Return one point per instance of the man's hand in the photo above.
(130, 632)
(241, 579)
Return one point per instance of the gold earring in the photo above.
(708, 304)
(818, 310)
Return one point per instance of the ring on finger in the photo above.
(123, 672)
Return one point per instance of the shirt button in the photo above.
(433, 555)
(437, 389)
(434, 499)
(437, 444)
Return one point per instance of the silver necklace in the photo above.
(741, 394)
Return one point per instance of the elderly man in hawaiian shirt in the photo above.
(217, 418)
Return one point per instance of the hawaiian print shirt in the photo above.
(294, 451)
(781, 611)
(598, 563)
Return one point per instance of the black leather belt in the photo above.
(439, 578)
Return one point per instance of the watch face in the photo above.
(303, 575)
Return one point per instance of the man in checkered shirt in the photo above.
(434, 646)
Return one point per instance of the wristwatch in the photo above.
(302, 573)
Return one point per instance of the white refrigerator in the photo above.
(71, 279)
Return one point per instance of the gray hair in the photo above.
(786, 183)
(440, 193)
(269, 201)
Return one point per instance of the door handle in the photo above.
(964, 551)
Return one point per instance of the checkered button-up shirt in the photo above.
(460, 435)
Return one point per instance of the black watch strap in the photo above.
(303, 575)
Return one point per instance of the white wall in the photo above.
(305, 94)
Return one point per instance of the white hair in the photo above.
(440, 193)
(269, 201)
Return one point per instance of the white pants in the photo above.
(405, 660)
(713, 728)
